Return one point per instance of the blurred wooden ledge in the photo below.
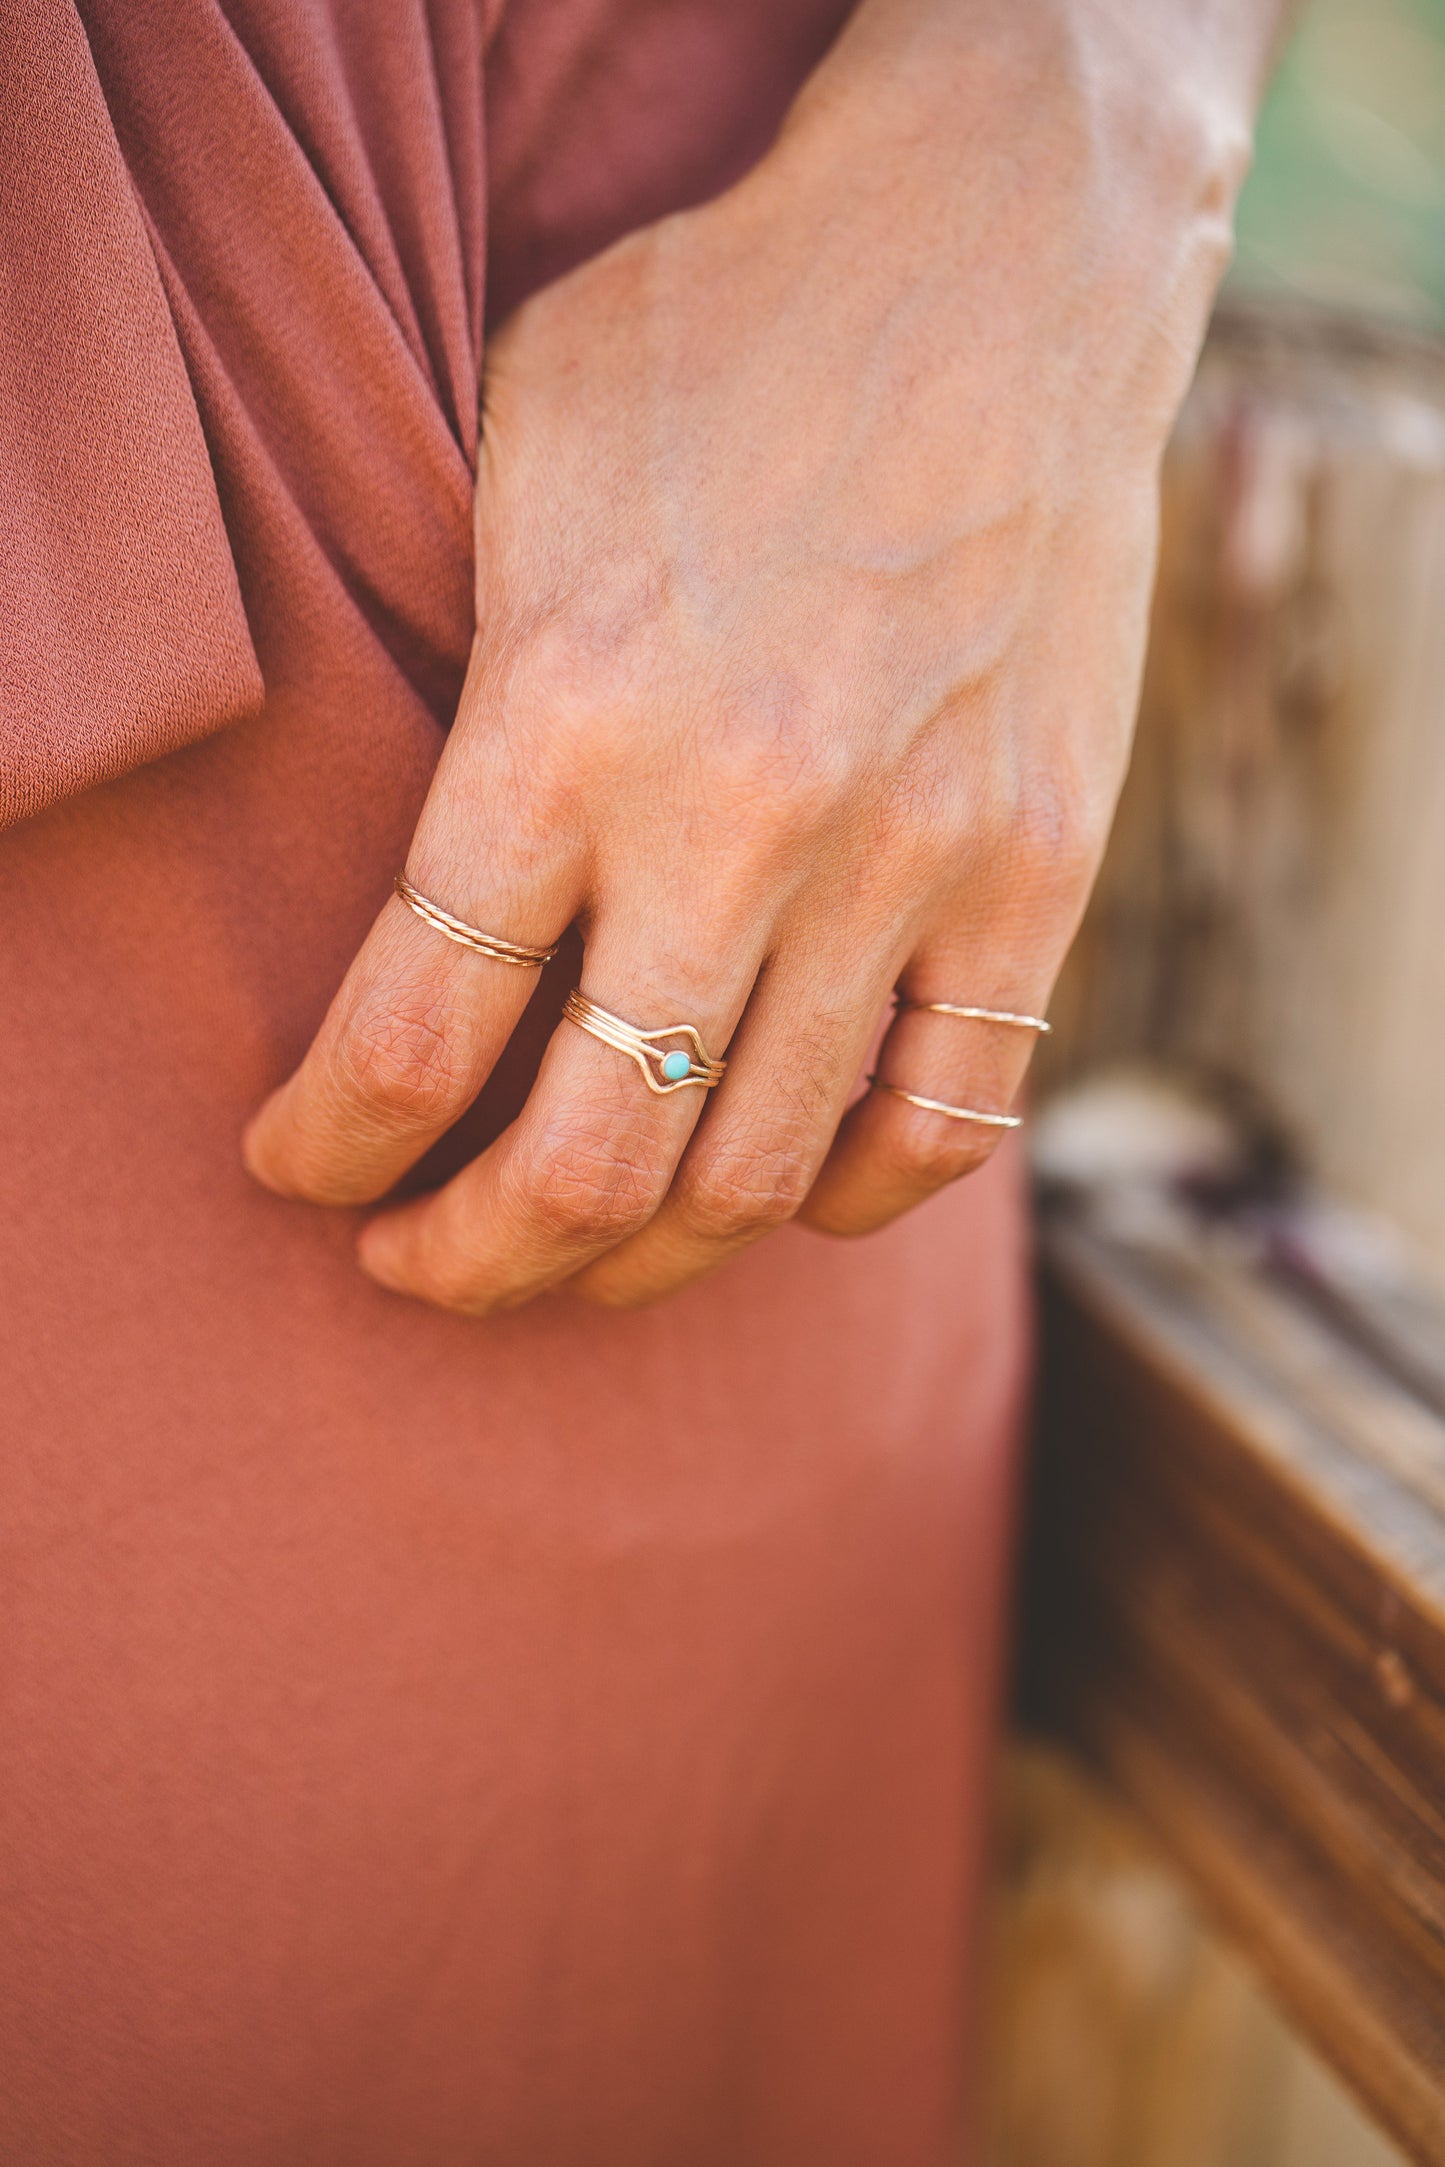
(1123, 2029)
(1235, 1612)
(1236, 1597)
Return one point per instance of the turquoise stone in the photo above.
(675, 1066)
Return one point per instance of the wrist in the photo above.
(1158, 94)
(1062, 173)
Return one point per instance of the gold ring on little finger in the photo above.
(1011, 1017)
(954, 1113)
(664, 1068)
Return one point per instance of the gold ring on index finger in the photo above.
(470, 936)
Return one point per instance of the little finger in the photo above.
(942, 1096)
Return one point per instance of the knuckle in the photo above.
(591, 1184)
(737, 1194)
(587, 672)
(927, 1153)
(405, 1058)
(781, 764)
(1052, 839)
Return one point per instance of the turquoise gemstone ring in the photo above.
(664, 1068)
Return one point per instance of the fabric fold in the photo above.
(123, 634)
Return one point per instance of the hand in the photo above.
(815, 531)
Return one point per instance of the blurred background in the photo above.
(1266, 951)
(1346, 204)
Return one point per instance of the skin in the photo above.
(815, 532)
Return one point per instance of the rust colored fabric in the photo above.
(544, 1743)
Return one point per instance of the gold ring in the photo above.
(663, 1069)
(954, 1113)
(977, 1015)
(470, 936)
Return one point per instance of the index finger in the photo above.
(405, 1047)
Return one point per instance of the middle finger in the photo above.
(794, 1064)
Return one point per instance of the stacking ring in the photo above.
(976, 1015)
(663, 1068)
(470, 936)
(954, 1113)
(973, 1015)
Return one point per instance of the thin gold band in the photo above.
(660, 1064)
(954, 1113)
(978, 1015)
(470, 936)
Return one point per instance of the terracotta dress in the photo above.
(545, 1743)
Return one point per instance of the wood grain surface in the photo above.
(1122, 2030)
(1236, 1612)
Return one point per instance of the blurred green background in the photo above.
(1346, 203)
